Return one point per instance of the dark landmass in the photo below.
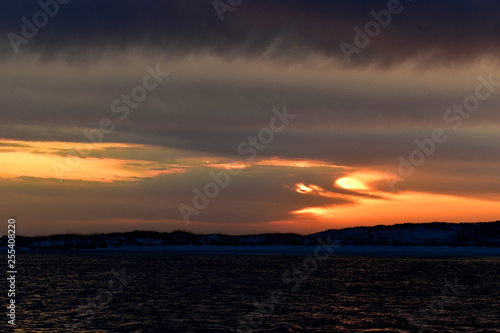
(434, 234)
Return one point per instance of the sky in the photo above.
(248, 116)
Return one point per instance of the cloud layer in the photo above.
(434, 33)
(353, 120)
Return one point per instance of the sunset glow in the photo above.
(351, 184)
(359, 180)
(250, 166)
(259, 123)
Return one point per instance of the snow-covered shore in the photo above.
(402, 239)
(299, 250)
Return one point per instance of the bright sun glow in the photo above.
(360, 180)
(350, 184)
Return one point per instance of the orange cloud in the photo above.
(360, 180)
(47, 160)
(388, 208)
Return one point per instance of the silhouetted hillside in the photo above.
(425, 234)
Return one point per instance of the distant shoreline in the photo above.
(403, 239)
(290, 250)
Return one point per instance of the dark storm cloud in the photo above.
(434, 31)
(369, 121)
(79, 97)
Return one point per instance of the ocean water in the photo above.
(158, 292)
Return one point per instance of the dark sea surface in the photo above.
(158, 292)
